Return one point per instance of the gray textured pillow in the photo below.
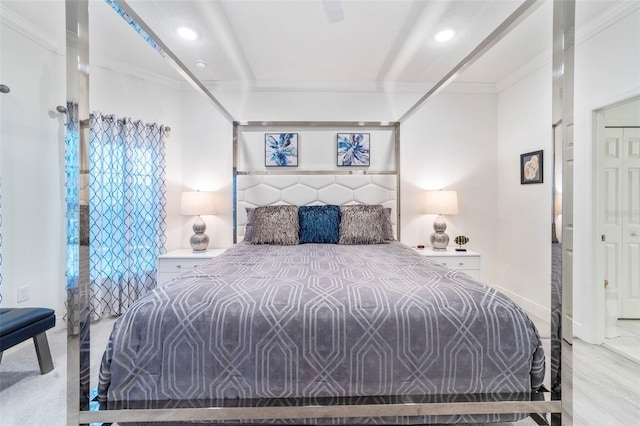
(388, 227)
(362, 224)
(248, 228)
(277, 225)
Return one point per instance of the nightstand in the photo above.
(466, 261)
(172, 264)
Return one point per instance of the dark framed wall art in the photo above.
(353, 149)
(281, 149)
(531, 170)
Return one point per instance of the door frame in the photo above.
(597, 250)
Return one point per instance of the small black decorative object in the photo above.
(461, 240)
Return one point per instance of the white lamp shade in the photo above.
(441, 202)
(196, 203)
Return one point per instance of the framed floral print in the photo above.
(531, 167)
(281, 149)
(353, 149)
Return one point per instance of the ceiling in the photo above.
(285, 42)
(348, 44)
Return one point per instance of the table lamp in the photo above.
(440, 202)
(198, 203)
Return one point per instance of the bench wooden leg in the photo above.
(44, 354)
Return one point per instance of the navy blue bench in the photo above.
(19, 324)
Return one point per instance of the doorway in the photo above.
(618, 221)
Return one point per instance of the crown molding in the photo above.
(36, 34)
(591, 28)
(72, 39)
(124, 68)
(540, 60)
(610, 16)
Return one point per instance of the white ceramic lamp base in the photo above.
(439, 239)
(199, 240)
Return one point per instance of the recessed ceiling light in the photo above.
(187, 33)
(445, 35)
(201, 64)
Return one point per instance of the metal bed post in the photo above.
(562, 120)
(78, 346)
(234, 182)
(396, 137)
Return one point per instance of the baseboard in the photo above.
(61, 323)
(526, 304)
(577, 330)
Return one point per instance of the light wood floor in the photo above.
(606, 387)
(628, 343)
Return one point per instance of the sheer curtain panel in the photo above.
(127, 209)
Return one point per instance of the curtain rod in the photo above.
(85, 123)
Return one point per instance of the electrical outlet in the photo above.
(23, 294)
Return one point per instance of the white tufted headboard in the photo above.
(264, 190)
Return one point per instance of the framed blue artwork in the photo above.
(353, 149)
(281, 149)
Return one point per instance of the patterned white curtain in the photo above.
(72, 169)
(127, 209)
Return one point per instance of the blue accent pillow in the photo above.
(319, 224)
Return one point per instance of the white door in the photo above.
(610, 150)
(620, 203)
(630, 281)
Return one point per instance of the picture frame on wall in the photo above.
(531, 167)
(354, 149)
(281, 149)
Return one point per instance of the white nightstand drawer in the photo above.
(177, 262)
(468, 262)
(180, 265)
(456, 262)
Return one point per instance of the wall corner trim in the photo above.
(36, 34)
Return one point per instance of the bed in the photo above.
(276, 322)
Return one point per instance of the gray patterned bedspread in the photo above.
(319, 320)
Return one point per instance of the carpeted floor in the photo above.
(28, 398)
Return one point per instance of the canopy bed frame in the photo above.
(556, 403)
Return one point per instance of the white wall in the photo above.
(206, 166)
(450, 143)
(607, 66)
(32, 169)
(607, 71)
(626, 114)
(524, 211)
